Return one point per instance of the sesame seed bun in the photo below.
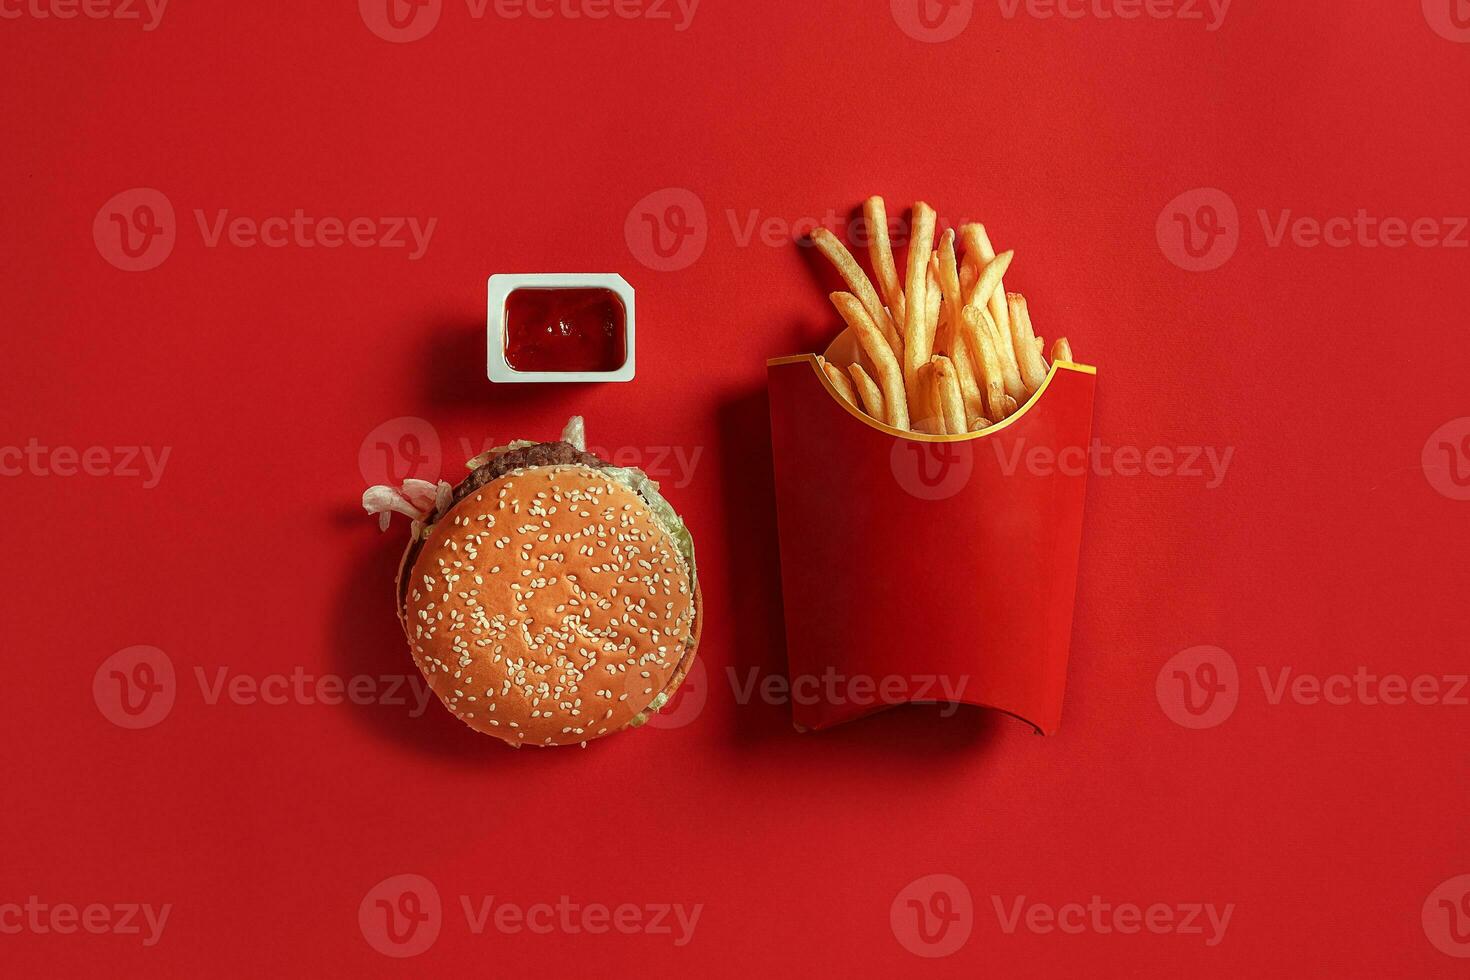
(550, 607)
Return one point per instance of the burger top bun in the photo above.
(549, 608)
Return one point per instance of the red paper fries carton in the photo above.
(927, 567)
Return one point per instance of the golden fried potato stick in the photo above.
(868, 391)
(1033, 366)
(885, 362)
(933, 303)
(950, 337)
(839, 381)
(980, 423)
(880, 253)
(987, 284)
(1010, 371)
(989, 279)
(968, 274)
(1061, 350)
(982, 342)
(950, 341)
(978, 247)
(918, 344)
(947, 395)
(856, 279)
(926, 413)
(979, 251)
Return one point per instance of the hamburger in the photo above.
(550, 597)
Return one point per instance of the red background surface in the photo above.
(1326, 548)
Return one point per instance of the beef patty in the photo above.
(541, 454)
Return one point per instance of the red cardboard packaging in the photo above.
(921, 567)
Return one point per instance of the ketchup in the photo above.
(565, 330)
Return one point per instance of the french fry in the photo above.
(988, 282)
(944, 270)
(950, 338)
(856, 279)
(989, 279)
(1033, 368)
(979, 423)
(839, 381)
(1061, 350)
(885, 362)
(868, 391)
(977, 244)
(958, 351)
(896, 341)
(968, 274)
(934, 307)
(925, 411)
(1010, 371)
(917, 347)
(982, 342)
(933, 303)
(946, 395)
(979, 250)
(880, 252)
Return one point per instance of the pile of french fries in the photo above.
(948, 350)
